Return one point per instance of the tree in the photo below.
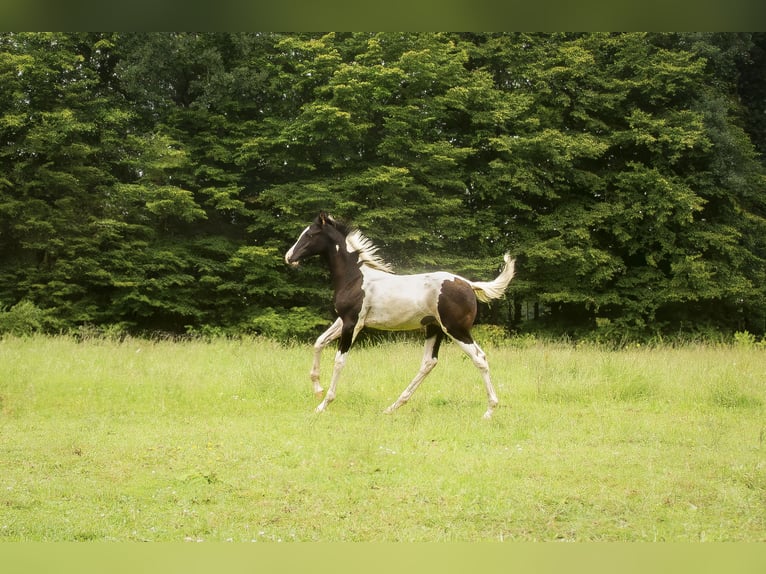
(617, 174)
(84, 195)
(154, 181)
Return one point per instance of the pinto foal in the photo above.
(369, 294)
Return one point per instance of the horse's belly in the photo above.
(396, 323)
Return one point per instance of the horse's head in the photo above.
(319, 237)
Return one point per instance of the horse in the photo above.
(367, 293)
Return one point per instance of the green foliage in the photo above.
(746, 340)
(300, 323)
(153, 181)
(24, 318)
(490, 336)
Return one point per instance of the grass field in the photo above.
(165, 441)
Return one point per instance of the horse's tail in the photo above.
(487, 290)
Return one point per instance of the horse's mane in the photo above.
(357, 243)
(367, 251)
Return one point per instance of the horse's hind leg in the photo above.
(480, 360)
(322, 341)
(434, 336)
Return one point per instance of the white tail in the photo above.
(488, 290)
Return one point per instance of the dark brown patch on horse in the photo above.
(457, 309)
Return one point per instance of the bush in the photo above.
(23, 319)
(488, 335)
(299, 323)
(744, 339)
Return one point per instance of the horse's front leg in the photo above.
(347, 336)
(322, 341)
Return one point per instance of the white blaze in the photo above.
(290, 251)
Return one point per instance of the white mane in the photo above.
(368, 252)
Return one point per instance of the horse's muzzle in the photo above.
(289, 259)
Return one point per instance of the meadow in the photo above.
(140, 440)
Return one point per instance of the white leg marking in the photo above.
(480, 360)
(426, 367)
(322, 341)
(340, 361)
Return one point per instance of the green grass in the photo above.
(166, 441)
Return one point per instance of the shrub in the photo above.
(744, 339)
(23, 319)
(489, 335)
(300, 323)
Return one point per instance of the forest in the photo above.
(152, 182)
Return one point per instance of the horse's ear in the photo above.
(325, 219)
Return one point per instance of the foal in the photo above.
(369, 294)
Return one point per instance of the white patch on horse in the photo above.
(400, 302)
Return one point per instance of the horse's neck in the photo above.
(344, 268)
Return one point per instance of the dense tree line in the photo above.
(154, 181)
